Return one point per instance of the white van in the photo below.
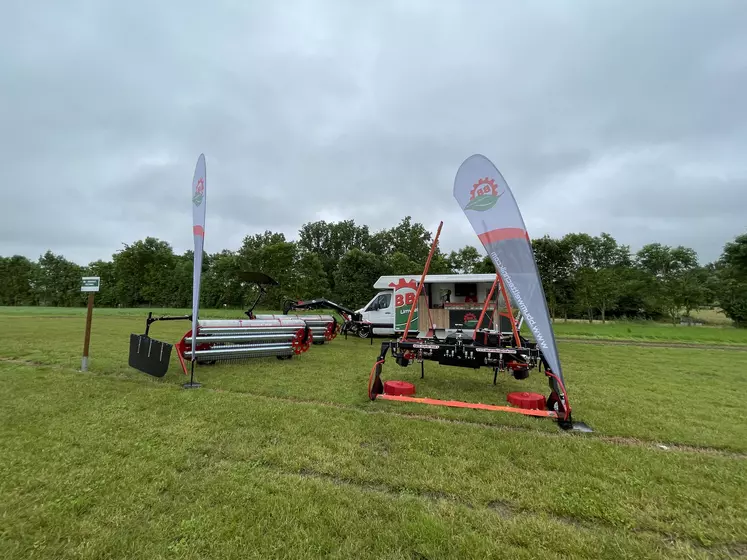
(446, 302)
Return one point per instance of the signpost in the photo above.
(91, 285)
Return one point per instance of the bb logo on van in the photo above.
(483, 196)
(404, 296)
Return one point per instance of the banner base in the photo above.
(191, 385)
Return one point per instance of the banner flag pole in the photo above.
(199, 182)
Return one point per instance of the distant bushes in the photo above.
(584, 276)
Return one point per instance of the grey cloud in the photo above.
(614, 116)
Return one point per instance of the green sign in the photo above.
(90, 284)
(404, 296)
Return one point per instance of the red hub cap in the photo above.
(399, 388)
(527, 400)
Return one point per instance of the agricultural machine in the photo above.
(478, 188)
(324, 328)
(213, 340)
(352, 321)
(217, 340)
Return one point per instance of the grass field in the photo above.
(289, 459)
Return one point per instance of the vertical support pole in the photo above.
(87, 339)
(510, 312)
(422, 280)
(485, 307)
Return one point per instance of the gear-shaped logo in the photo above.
(199, 192)
(483, 196)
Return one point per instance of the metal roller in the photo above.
(324, 327)
(237, 339)
(273, 321)
(248, 338)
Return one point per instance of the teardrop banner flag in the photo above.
(490, 207)
(198, 231)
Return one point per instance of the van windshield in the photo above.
(382, 301)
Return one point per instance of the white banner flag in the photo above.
(198, 231)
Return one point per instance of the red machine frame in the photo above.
(484, 348)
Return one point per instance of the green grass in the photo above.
(289, 459)
(633, 330)
(653, 332)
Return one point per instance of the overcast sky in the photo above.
(628, 117)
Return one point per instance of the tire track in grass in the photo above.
(414, 488)
(617, 440)
(654, 343)
(662, 446)
(500, 508)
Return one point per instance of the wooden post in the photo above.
(87, 339)
(91, 285)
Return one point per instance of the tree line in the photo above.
(584, 276)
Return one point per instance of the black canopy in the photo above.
(256, 278)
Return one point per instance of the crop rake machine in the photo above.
(352, 321)
(218, 340)
(324, 328)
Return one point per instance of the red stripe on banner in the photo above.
(503, 233)
(198, 230)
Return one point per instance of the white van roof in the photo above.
(384, 281)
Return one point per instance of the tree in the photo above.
(179, 287)
(609, 261)
(732, 297)
(439, 263)
(331, 241)
(691, 290)
(464, 261)
(57, 281)
(221, 286)
(554, 262)
(411, 239)
(582, 275)
(399, 263)
(731, 284)
(312, 278)
(17, 285)
(143, 272)
(734, 256)
(355, 276)
(270, 254)
(485, 266)
(673, 270)
(581, 248)
(107, 295)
